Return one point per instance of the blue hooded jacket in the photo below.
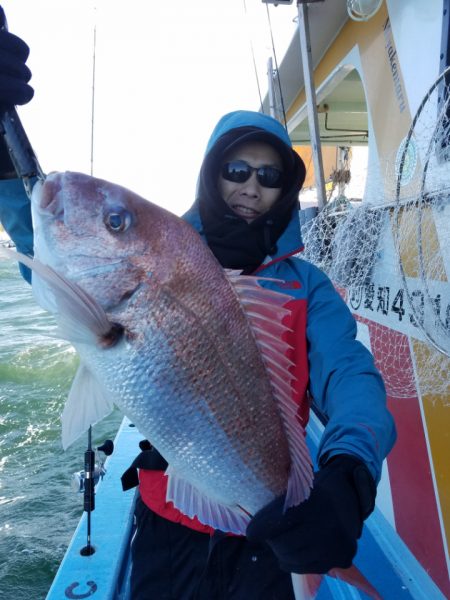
(335, 369)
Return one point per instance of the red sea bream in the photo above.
(190, 353)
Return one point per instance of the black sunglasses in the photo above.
(238, 171)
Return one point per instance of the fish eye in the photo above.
(118, 220)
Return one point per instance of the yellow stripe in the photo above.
(436, 409)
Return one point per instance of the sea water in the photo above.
(38, 509)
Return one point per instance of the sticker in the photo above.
(72, 595)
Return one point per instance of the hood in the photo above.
(236, 243)
(247, 118)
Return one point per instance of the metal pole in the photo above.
(272, 108)
(311, 103)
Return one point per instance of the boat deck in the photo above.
(382, 556)
(104, 574)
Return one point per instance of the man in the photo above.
(247, 212)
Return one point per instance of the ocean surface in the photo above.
(38, 509)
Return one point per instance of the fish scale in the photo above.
(194, 402)
(174, 438)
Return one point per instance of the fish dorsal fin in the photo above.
(194, 503)
(265, 310)
(86, 405)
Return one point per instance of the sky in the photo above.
(165, 72)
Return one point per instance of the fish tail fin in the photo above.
(354, 577)
(306, 586)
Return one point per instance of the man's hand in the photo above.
(322, 532)
(14, 74)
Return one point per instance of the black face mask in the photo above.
(235, 243)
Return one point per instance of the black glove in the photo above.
(14, 74)
(322, 532)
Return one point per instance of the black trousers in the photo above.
(173, 562)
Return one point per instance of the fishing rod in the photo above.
(20, 154)
(85, 482)
(89, 492)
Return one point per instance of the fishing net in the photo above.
(390, 258)
(342, 241)
(422, 216)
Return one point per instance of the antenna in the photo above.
(93, 94)
(254, 62)
(310, 92)
(276, 72)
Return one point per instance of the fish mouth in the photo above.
(46, 197)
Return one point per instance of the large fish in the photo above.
(192, 354)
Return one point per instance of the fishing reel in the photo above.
(95, 471)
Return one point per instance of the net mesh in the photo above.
(391, 259)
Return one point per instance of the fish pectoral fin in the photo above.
(79, 316)
(193, 503)
(86, 405)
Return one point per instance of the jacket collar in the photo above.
(289, 243)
